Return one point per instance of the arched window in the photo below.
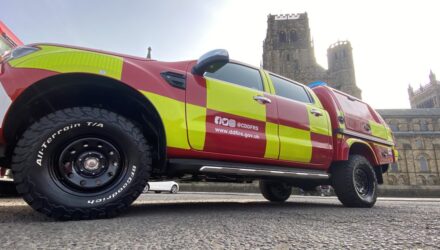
(293, 36)
(424, 166)
(282, 37)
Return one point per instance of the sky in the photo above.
(395, 43)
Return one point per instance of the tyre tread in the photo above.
(41, 203)
(343, 183)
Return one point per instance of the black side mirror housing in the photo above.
(211, 62)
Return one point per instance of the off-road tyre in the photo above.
(51, 156)
(347, 183)
(275, 191)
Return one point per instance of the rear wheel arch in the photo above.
(364, 149)
(79, 89)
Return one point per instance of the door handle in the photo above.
(316, 112)
(262, 99)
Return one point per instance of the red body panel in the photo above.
(243, 142)
(292, 114)
(322, 151)
(145, 75)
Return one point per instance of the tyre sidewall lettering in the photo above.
(50, 144)
(59, 133)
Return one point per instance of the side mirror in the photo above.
(211, 61)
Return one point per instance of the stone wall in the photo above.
(417, 134)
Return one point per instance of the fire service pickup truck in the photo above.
(84, 130)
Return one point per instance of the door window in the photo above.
(290, 90)
(238, 74)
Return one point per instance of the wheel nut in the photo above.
(111, 153)
(110, 174)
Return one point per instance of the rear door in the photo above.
(304, 126)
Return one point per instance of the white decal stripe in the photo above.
(5, 102)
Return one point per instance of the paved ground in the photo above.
(233, 221)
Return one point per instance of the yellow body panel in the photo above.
(196, 117)
(172, 113)
(378, 130)
(234, 99)
(296, 144)
(319, 124)
(67, 60)
(272, 141)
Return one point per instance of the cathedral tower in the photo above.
(288, 48)
(288, 51)
(341, 68)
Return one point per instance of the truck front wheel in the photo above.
(275, 191)
(81, 163)
(355, 182)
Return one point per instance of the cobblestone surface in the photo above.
(233, 221)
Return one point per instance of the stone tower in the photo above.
(427, 96)
(288, 51)
(341, 68)
(288, 48)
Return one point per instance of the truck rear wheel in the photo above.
(275, 191)
(355, 182)
(81, 163)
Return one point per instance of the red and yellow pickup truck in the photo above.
(83, 130)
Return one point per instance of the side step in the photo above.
(291, 173)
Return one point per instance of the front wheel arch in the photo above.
(80, 89)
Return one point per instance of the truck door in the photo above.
(304, 126)
(226, 113)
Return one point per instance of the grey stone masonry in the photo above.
(288, 51)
